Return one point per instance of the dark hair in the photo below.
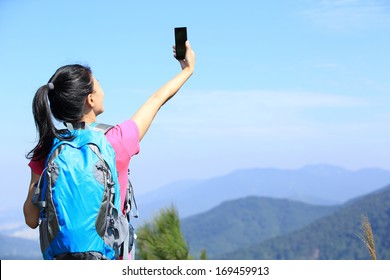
(64, 100)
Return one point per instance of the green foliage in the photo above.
(203, 255)
(161, 239)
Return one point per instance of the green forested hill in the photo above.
(333, 237)
(243, 222)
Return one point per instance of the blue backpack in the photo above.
(79, 198)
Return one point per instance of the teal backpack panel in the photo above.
(80, 199)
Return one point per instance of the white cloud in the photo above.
(10, 226)
(260, 114)
(18, 229)
(27, 233)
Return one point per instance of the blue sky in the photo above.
(277, 83)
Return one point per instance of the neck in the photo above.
(89, 119)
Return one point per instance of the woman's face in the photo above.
(98, 96)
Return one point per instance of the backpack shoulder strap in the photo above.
(130, 199)
(94, 126)
(100, 127)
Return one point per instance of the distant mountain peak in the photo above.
(323, 169)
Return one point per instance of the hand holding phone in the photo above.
(180, 42)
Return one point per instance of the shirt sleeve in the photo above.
(37, 166)
(127, 134)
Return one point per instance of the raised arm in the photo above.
(146, 113)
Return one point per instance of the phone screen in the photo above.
(180, 42)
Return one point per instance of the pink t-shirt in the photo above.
(124, 138)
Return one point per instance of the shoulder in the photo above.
(127, 128)
(124, 136)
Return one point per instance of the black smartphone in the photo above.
(180, 42)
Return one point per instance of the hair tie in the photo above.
(50, 85)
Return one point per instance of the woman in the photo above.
(73, 95)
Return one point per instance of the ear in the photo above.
(90, 101)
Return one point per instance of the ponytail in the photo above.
(44, 124)
(63, 99)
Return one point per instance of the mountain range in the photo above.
(336, 236)
(319, 184)
(265, 213)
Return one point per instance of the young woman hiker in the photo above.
(73, 95)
